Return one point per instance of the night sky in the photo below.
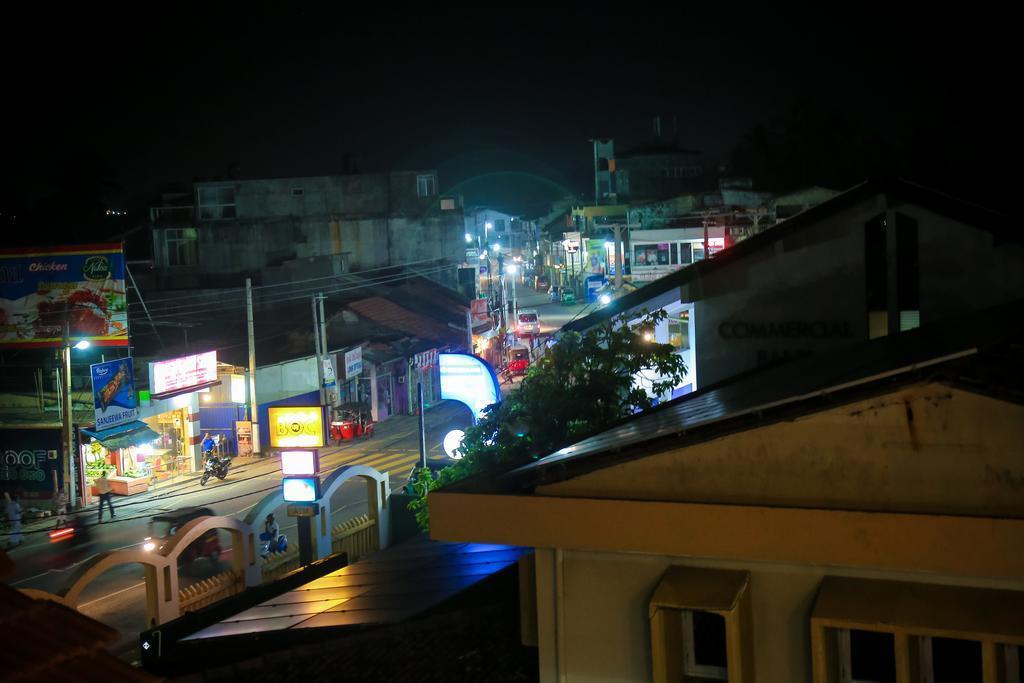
(501, 99)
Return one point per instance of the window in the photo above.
(674, 253)
(426, 185)
(181, 246)
(704, 646)
(651, 254)
(866, 656)
(949, 660)
(908, 297)
(447, 204)
(499, 225)
(216, 203)
(701, 626)
(876, 277)
(679, 332)
(697, 251)
(298, 192)
(871, 630)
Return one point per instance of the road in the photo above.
(117, 597)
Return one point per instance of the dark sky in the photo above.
(488, 95)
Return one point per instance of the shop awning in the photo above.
(134, 433)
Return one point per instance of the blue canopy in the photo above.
(134, 433)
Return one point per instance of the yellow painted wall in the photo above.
(606, 634)
(928, 448)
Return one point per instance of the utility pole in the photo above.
(323, 343)
(469, 331)
(69, 442)
(253, 408)
(423, 430)
(618, 255)
(319, 350)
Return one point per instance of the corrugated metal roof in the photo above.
(979, 352)
(388, 587)
(389, 314)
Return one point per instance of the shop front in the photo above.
(121, 452)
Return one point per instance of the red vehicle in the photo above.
(518, 360)
(166, 524)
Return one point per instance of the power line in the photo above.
(241, 290)
(215, 306)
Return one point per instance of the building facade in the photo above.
(842, 520)
(291, 228)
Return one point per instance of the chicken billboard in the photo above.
(44, 289)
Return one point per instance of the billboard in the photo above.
(113, 393)
(469, 380)
(42, 289)
(183, 374)
(353, 362)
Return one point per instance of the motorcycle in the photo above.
(272, 545)
(214, 467)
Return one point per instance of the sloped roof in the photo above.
(998, 224)
(389, 314)
(47, 641)
(982, 353)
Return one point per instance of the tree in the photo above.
(584, 383)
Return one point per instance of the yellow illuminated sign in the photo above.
(296, 426)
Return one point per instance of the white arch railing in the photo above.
(378, 491)
(161, 568)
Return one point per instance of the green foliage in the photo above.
(582, 385)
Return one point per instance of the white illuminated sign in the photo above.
(301, 490)
(452, 441)
(468, 379)
(298, 462)
(238, 389)
(180, 374)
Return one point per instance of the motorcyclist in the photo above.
(270, 535)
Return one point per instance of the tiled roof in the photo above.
(46, 641)
(389, 314)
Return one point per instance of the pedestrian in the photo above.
(12, 507)
(208, 445)
(103, 488)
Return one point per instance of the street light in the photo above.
(496, 247)
(469, 238)
(82, 345)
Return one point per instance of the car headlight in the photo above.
(148, 545)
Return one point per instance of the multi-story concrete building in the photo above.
(285, 228)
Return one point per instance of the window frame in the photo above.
(697, 589)
(912, 612)
(426, 185)
(217, 209)
(178, 242)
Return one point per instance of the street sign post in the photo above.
(300, 467)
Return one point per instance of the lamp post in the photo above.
(67, 417)
(512, 269)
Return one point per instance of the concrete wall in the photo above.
(595, 628)
(816, 278)
(275, 382)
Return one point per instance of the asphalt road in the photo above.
(117, 597)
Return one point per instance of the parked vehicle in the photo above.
(165, 525)
(518, 360)
(215, 466)
(272, 545)
(555, 294)
(527, 322)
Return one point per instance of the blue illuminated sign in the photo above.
(469, 380)
(301, 489)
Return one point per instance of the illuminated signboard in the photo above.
(452, 443)
(301, 489)
(299, 462)
(296, 427)
(468, 379)
(182, 374)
